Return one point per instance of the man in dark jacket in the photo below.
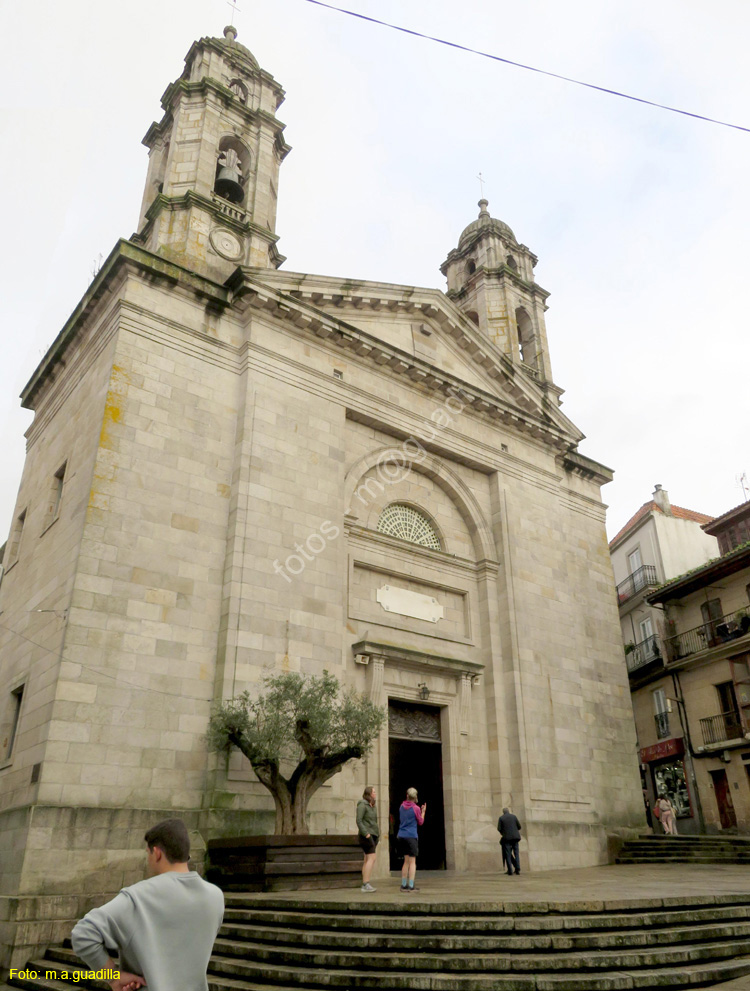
(510, 833)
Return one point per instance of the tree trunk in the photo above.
(291, 797)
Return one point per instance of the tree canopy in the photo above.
(305, 725)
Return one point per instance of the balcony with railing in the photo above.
(643, 577)
(725, 629)
(228, 208)
(640, 654)
(722, 728)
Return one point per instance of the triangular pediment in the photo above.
(415, 332)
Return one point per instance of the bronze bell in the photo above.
(228, 185)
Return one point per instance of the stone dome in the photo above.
(484, 223)
(230, 44)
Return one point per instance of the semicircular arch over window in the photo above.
(407, 523)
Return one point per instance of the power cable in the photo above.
(100, 671)
(530, 68)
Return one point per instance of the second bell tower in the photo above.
(214, 158)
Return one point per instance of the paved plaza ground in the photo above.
(590, 889)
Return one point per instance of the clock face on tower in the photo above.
(226, 244)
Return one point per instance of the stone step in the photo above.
(226, 984)
(737, 851)
(661, 850)
(685, 850)
(418, 905)
(707, 910)
(691, 975)
(655, 859)
(252, 957)
(238, 936)
(399, 944)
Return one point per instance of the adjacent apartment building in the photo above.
(707, 657)
(659, 542)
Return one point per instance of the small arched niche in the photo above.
(232, 169)
(510, 261)
(473, 316)
(471, 266)
(239, 89)
(526, 343)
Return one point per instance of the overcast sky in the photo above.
(639, 217)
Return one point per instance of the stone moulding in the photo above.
(419, 658)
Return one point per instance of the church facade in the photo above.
(235, 470)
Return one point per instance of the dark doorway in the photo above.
(724, 800)
(415, 761)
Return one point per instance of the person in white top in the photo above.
(163, 928)
(667, 815)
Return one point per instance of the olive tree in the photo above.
(307, 727)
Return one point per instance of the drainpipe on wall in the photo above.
(689, 753)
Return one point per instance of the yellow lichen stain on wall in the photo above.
(104, 470)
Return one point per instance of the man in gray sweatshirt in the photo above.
(164, 928)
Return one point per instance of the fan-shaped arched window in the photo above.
(400, 520)
(239, 89)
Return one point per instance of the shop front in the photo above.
(664, 767)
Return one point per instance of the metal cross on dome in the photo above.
(233, 5)
(481, 185)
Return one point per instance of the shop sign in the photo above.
(667, 748)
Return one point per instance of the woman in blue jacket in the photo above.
(410, 816)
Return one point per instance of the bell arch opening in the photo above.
(232, 169)
(526, 342)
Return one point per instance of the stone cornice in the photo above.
(408, 552)
(192, 198)
(526, 409)
(417, 658)
(124, 255)
(204, 87)
(587, 468)
(456, 254)
(501, 272)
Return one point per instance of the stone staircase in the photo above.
(283, 945)
(662, 849)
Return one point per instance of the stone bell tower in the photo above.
(491, 278)
(214, 158)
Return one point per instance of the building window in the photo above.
(58, 489)
(712, 614)
(15, 539)
(55, 495)
(734, 535)
(647, 630)
(634, 560)
(729, 710)
(661, 714)
(10, 723)
(407, 523)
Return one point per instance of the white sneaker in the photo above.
(367, 887)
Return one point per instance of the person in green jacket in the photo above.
(369, 834)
